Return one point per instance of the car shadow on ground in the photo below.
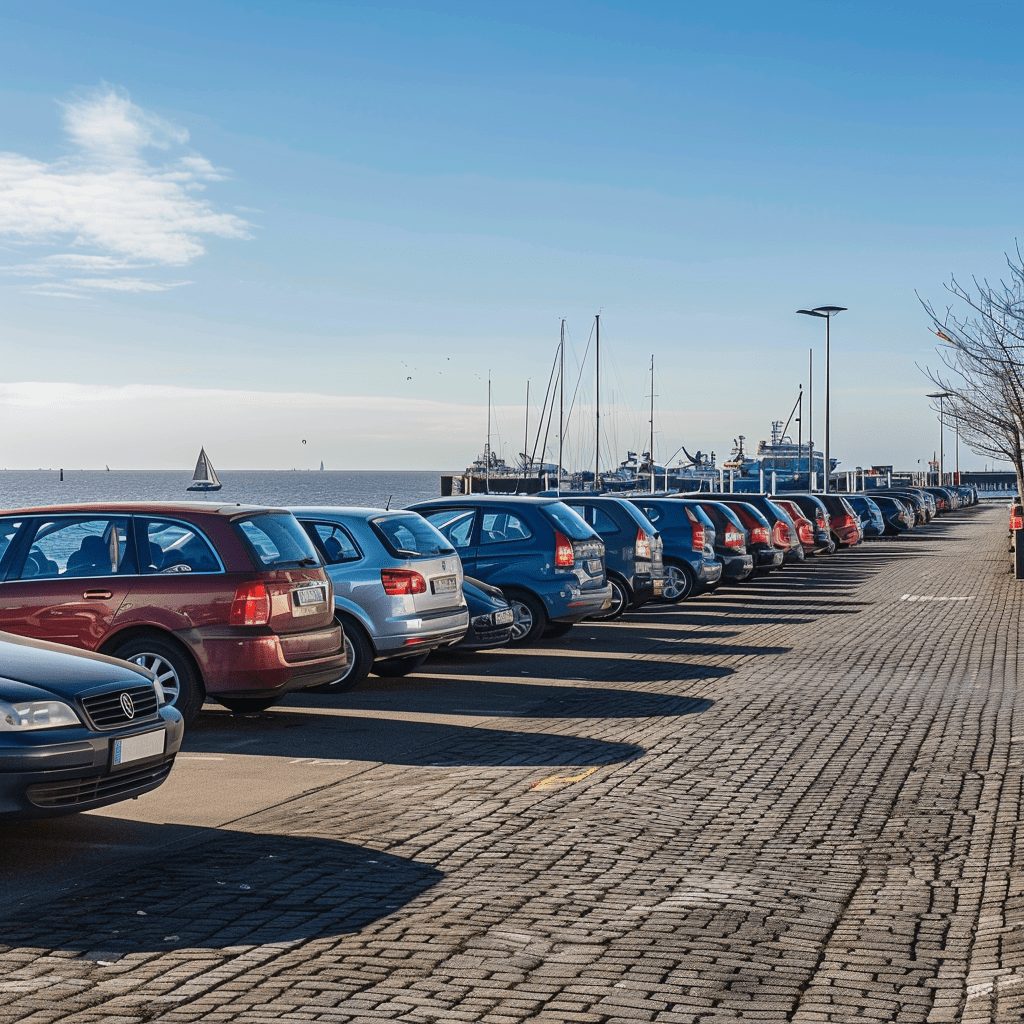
(218, 889)
(505, 699)
(292, 732)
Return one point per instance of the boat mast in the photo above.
(526, 430)
(561, 403)
(653, 474)
(597, 403)
(487, 452)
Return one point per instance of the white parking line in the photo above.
(925, 597)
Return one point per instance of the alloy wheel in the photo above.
(164, 671)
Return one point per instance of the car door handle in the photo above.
(97, 595)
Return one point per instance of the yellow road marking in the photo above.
(557, 781)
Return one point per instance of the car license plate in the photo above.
(445, 585)
(136, 748)
(503, 618)
(594, 565)
(304, 600)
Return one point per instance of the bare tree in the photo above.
(981, 350)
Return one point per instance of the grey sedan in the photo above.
(397, 587)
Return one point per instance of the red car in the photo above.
(229, 602)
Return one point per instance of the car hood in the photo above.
(61, 670)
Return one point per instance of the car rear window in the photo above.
(408, 535)
(275, 540)
(567, 521)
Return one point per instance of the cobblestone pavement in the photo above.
(794, 801)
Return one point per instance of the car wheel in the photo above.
(242, 704)
(679, 583)
(620, 601)
(530, 618)
(173, 670)
(360, 659)
(392, 668)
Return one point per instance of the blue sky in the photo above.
(245, 225)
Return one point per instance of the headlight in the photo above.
(36, 714)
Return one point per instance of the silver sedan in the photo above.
(397, 587)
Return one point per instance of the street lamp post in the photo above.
(940, 395)
(827, 312)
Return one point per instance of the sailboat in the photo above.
(321, 465)
(205, 476)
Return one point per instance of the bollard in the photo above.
(1017, 540)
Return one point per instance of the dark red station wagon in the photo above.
(229, 602)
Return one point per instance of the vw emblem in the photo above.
(127, 705)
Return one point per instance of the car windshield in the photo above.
(275, 540)
(408, 535)
(569, 522)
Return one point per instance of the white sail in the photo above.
(205, 476)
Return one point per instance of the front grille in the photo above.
(110, 786)
(106, 710)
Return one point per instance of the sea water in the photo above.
(366, 488)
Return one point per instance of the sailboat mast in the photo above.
(561, 403)
(526, 429)
(597, 402)
(653, 480)
(487, 453)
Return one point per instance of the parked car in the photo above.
(397, 588)
(78, 731)
(844, 522)
(632, 547)
(814, 508)
(688, 538)
(767, 555)
(897, 515)
(871, 519)
(730, 543)
(222, 601)
(490, 615)
(547, 561)
(918, 501)
(805, 530)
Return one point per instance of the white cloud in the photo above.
(108, 202)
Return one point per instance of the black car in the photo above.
(730, 542)
(490, 615)
(78, 730)
(897, 515)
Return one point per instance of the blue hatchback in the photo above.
(544, 557)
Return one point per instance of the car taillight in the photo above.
(1017, 521)
(698, 537)
(780, 534)
(564, 556)
(402, 581)
(643, 544)
(760, 535)
(806, 533)
(734, 538)
(251, 605)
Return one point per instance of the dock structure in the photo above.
(798, 800)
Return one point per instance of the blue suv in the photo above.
(544, 557)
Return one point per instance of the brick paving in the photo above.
(806, 808)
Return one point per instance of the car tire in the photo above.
(530, 617)
(621, 600)
(392, 668)
(241, 705)
(679, 582)
(360, 659)
(173, 668)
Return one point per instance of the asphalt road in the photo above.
(794, 800)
